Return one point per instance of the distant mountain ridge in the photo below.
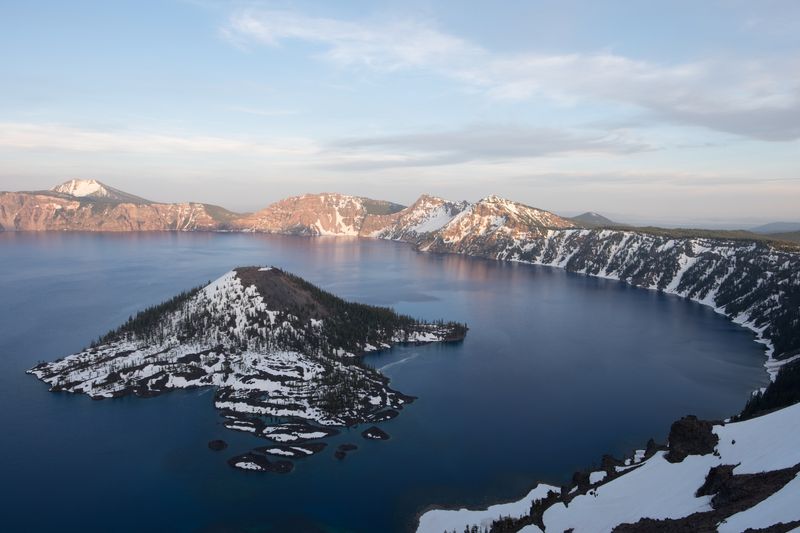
(592, 219)
(719, 269)
(777, 227)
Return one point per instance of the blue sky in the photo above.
(666, 112)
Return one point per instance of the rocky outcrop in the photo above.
(690, 436)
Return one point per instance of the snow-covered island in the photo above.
(273, 345)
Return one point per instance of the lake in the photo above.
(556, 370)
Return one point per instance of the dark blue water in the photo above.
(556, 370)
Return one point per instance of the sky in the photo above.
(673, 112)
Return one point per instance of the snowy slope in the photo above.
(659, 489)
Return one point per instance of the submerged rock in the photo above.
(217, 445)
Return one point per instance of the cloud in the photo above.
(27, 136)
(477, 142)
(385, 46)
(749, 97)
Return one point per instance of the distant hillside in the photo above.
(793, 236)
(594, 220)
(777, 227)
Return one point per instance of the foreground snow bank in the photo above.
(659, 489)
(440, 520)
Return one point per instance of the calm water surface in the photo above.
(556, 370)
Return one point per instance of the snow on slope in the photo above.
(659, 489)
(438, 521)
(82, 188)
(428, 214)
(95, 189)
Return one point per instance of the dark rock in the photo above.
(608, 462)
(281, 467)
(690, 436)
(339, 454)
(217, 445)
(581, 480)
(347, 447)
(375, 433)
(717, 477)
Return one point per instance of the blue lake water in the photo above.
(556, 370)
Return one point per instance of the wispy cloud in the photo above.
(264, 112)
(28, 136)
(748, 97)
(477, 142)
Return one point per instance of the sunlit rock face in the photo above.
(316, 214)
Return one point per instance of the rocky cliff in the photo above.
(88, 205)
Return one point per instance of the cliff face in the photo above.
(310, 214)
(41, 211)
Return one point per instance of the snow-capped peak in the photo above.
(82, 188)
(95, 189)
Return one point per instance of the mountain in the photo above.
(270, 343)
(88, 205)
(777, 227)
(96, 190)
(490, 224)
(427, 215)
(317, 214)
(594, 220)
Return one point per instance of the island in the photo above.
(285, 358)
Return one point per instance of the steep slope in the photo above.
(46, 211)
(316, 214)
(490, 225)
(272, 345)
(753, 283)
(736, 476)
(427, 215)
(99, 191)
